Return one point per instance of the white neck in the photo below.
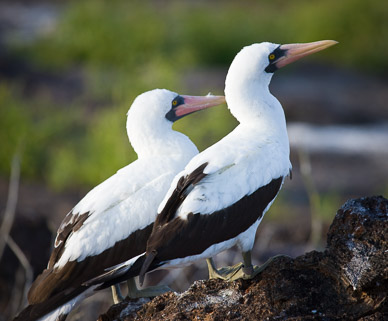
(255, 107)
(150, 142)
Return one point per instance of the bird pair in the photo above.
(173, 206)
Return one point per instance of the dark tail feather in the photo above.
(25, 314)
(36, 311)
(116, 275)
(111, 277)
(142, 265)
(28, 314)
(148, 260)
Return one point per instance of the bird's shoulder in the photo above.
(182, 187)
(70, 224)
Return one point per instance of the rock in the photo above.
(348, 281)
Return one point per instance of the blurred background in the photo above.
(69, 71)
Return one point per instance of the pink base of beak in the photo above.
(195, 103)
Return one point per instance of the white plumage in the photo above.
(127, 201)
(221, 196)
(251, 156)
(112, 222)
(124, 203)
(234, 182)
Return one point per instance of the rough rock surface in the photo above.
(348, 281)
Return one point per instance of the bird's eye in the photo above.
(174, 102)
(271, 57)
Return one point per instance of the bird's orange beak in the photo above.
(296, 51)
(194, 103)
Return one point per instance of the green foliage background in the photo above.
(123, 48)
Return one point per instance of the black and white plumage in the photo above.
(111, 224)
(221, 196)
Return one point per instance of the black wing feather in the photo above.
(178, 195)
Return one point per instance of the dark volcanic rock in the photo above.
(348, 281)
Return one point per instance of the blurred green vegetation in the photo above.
(124, 48)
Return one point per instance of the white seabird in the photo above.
(111, 224)
(221, 196)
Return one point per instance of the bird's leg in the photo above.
(116, 294)
(212, 269)
(249, 271)
(152, 291)
(224, 273)
(248, 268)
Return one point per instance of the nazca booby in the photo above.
(111, 224)
(221, 196)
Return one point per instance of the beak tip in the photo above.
(327, 43)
